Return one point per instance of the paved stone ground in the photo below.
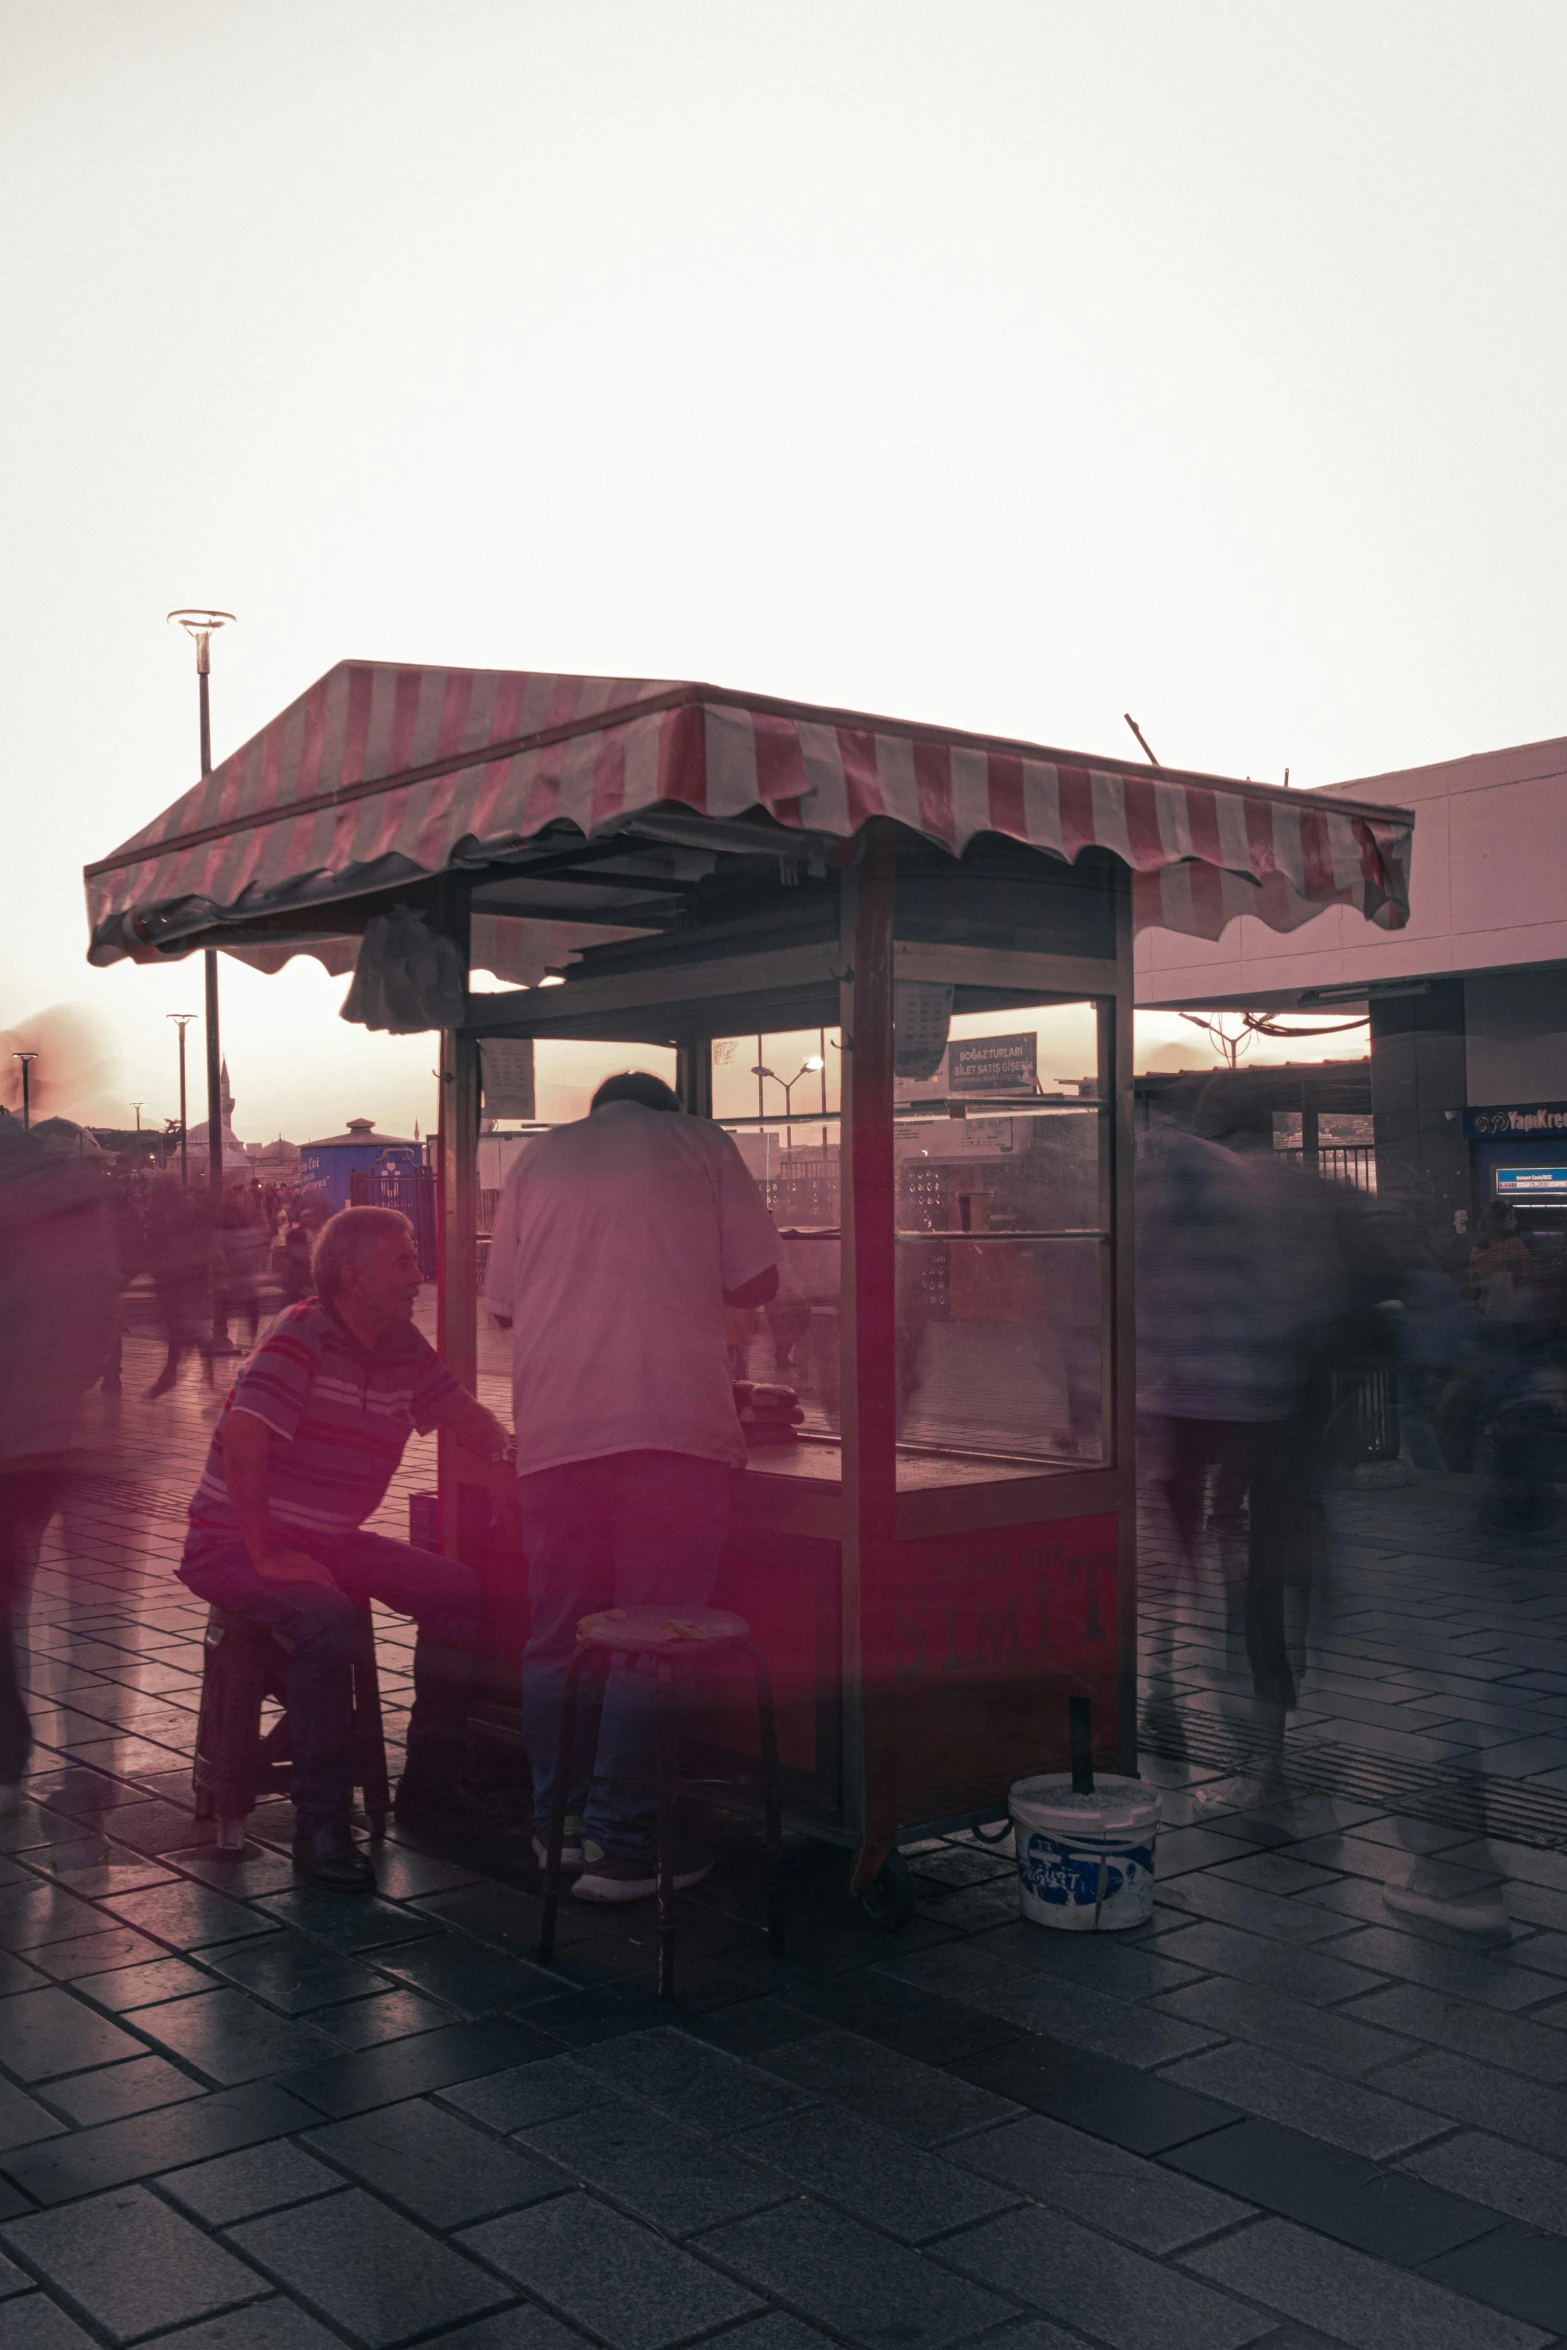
(234, 2114)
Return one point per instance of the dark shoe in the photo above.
(329, 1857)
(160, 1386)
(607, 1877)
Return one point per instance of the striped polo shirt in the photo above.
(341, 1414)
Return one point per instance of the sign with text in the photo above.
(1531, 1182)
(1515, 1118)
(507, 1063)
(994, 1064)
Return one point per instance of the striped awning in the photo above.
(382, 775)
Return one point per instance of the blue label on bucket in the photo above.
(1068, 1876)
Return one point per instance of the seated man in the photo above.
(303, 1452)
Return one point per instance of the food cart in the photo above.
(896, 962)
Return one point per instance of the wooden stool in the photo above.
(671, 1637)
(234, 1764)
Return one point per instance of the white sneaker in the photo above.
(606, 1877)
(1484, 1915)
(570, 1848)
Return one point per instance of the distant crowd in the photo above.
(210, 1266)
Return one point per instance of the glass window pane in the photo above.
(778, 1096)
(1002, 1246)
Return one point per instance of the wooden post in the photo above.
(1120, 1327)
(457, 1171)
(869, 1310)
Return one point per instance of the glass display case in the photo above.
(925, 1063)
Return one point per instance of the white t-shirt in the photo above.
(615, 1240)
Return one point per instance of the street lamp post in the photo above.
(202, 626)
(182, 1021)
(27, 1060)
(808, 1068)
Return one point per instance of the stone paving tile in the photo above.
(529, 2094)
(1140, 2111)
(243, 2185)
(1343, 2195)
(344, 1922)
(1120, 2193)
(904, 2095)
(468, 1977)
(1359, 2300)
(1332, 2040)
(23, 2119)
(872, 2172)
(677, 2181)
(33, 1916)
(524, 2327)
(119, 2089)
(1509, 2041)
(366, 2269)
(413, 2068)
(1091, 2020)
(187, 1917)
(142, 1986)
(46, 2033)
(36, 2323)
(1488, 1978)
(1121, 2297)
(1271, 2086)
(1320, 1977)
(1524, 2184)
(1255, 1913)
(230, 2038)
(388, 2015)
(129, 2263)
(273, 2324)
(936, 2031)
(699, 2085)
(293, 1973)
(872, 2293)
(1515, 2270)
(778, 2332)
(612, 2276)
(115, 2153)
(437, 2167)
(91, 1954)
(1126, 1964)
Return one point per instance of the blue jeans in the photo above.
(320, 1629)
(636, 1529)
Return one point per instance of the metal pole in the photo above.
(201, 625)
(27, 1060)
(210, 965)
(182, 1020)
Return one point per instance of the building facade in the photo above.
(1467, 1004)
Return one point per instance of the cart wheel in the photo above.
(888, 1900)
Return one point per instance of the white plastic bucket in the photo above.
(1085, 1863)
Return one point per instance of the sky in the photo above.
(1010, 366)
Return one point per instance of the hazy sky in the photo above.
(1008, 365)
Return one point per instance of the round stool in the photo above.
(672, 1639)
(243, 1664)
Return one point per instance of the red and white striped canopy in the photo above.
(381, 775)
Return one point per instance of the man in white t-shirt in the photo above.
(618, 1242)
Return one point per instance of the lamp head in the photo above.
(202, 625)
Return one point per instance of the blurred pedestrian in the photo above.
(1233, 1289)
(244, 1245)
(58, 1280)
(179, 1249)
